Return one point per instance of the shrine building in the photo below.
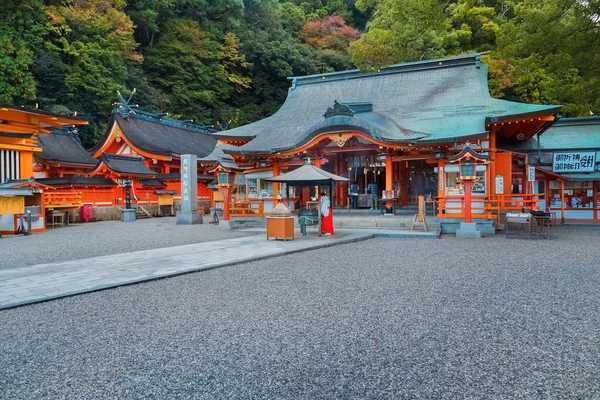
(394, 129)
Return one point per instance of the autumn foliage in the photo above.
(329, 33)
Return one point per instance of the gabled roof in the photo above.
(77, 181)
(421, 102)
(123, 165)
(149, 182)
(64, 148)
(161, 136)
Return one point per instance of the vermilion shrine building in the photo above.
(394, 129)
(397, 127)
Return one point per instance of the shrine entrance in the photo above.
(422, 180)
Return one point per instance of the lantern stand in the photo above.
(225, 181)
(467, 160)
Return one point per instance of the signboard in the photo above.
(165, 200)
(499, 184)
(12, 205)
(531, 174)
(583, 161)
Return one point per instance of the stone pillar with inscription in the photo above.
(189, 191)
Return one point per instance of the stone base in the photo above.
(468, 231)
(128, 215)
(451, 225)
(224, 224)
(189, 218)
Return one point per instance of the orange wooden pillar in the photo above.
(226, 202)
(275, 184)
(25, 165)
(389, 176)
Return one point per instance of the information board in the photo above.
(12, 205)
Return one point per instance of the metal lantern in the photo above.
(439, 155)
(467, 170)
(225, 178)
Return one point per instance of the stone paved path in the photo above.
(19, 286)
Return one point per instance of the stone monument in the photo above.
(189, 191)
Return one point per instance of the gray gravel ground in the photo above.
(107, 237)
(385, 318)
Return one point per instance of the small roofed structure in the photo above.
(122, 167)
(62, 153)
(78, 182)
(308, 174)
(19, 130)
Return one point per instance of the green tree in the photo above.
(407, 30)
(94, 40)
(551, 51)
(21, 32)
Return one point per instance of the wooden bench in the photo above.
(58, 218)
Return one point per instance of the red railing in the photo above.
(486, 207)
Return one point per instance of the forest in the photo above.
(226, 62)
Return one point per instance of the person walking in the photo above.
(326, 215)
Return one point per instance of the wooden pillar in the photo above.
(25, 165)
(403, 183)
(389, 176)
(226, 201)
(167, 168)
(492, 145)
(562, 201)
(596, 210)
(468, 204)
(275, 184)
(317, 161)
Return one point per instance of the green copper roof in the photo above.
(428, 101)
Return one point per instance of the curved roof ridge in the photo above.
(469, 59)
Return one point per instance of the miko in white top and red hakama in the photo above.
(326, 215)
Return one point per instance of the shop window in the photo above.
(577, 194)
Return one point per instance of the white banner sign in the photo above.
(531, 174)
(574, 162)
(499, 184)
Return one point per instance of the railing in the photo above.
(486, 207)
(512, 202)
(54, 200)
(247, 208)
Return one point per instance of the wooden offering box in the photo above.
(280, 228)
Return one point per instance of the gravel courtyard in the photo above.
(107, 237)
(383, 318)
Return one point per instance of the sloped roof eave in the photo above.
(553, 110)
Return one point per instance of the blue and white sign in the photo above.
(584, 161)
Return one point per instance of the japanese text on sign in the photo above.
(574, 162)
